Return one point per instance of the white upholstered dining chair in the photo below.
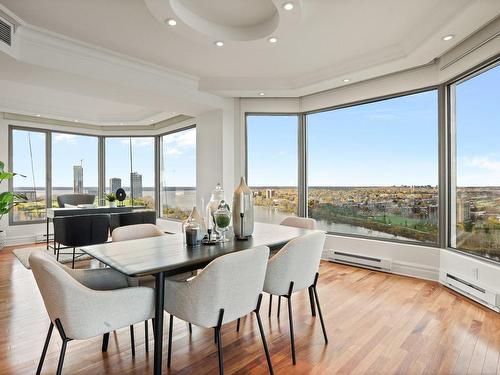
(86, 303)
(295, 268)
(297, 222)
(135, 232)
(228, 288)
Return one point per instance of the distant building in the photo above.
(463, 211)
(270, 193)
(433, 212)
(77, 179)
(115, 183)
(136, 184)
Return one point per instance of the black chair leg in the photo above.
(219, 342)
(190, 327)
(238, 325)
(73, 261)
(61, 358)
(44, 351)
(146, 336)
(311, 300)
(105, 341)
(290, 317)
(132, 340)
(319, 309)
(279, 306)
(215, 335)
(63, 346)
(58, 250)
(170, 331)
(262, 335)
(270, 304)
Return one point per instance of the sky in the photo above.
(385, 143)
(179, 151)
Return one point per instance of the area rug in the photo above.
(23, 255)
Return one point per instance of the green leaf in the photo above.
(2, 166)
(6, 175)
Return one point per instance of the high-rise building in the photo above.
(136, 184)
(77, 179)
(115, 183)
(463, 210)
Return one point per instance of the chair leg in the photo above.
(190, 327)
(219, 342)
(58, 250)
(132, 340)
(105, 341)
(146, 336)
(311, 301)
(170, 331)
(279, 306)
(270, 304)
(238, 325)
(63, 346)
(319, 309)
(61, 358)
(44, 351)
(290, 317)
(215, 335)
(262, 335)
(73, 261)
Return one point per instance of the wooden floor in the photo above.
(377, 324)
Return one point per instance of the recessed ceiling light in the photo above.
(272, 39)
(219, 43)
(76, 120)
(346, 80)
(151, 120)
(288, 6)
(448, 37)
(261, 94)
(37, 115)
(171, 22)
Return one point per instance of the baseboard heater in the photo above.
(478, 293)
(359, 260)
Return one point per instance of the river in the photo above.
(271, 215)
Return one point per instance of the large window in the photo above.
(28, 160)
(476, 183)
(74, 165)
(373, 168)
(178, 174)
(130, 164)
(272, 169)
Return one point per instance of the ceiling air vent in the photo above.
(5, 32)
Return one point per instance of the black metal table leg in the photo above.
(158, 326)
(47, 233)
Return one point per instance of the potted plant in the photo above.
(8, 199)
(111, 198)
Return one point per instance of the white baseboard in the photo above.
(20, 240)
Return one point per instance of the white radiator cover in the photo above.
(359, 260)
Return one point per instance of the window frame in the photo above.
(450, 124)
(303, 162)
(159, 160)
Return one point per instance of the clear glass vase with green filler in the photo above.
(222, 220)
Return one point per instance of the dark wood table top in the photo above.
(169, 254)
(75, 211)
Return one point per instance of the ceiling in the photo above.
(320, 42)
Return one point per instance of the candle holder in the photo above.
(242, 220)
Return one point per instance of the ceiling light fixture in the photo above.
(171, 22)
(261, 94)
(37, 115)
(272, 39)
(448, 37)
(346, 80)
(288, 6)
(219, 43)
(76, 120)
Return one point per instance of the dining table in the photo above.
(168, 255)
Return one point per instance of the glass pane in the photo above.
(178, 193)
(477, 129)
(74, 165)
(28, 159)
(272, 166)
(130, 165)
(373, 168)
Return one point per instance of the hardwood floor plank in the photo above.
(377, 323)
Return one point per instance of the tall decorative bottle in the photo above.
(197, 218)
(243, 204)
(213, 205)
